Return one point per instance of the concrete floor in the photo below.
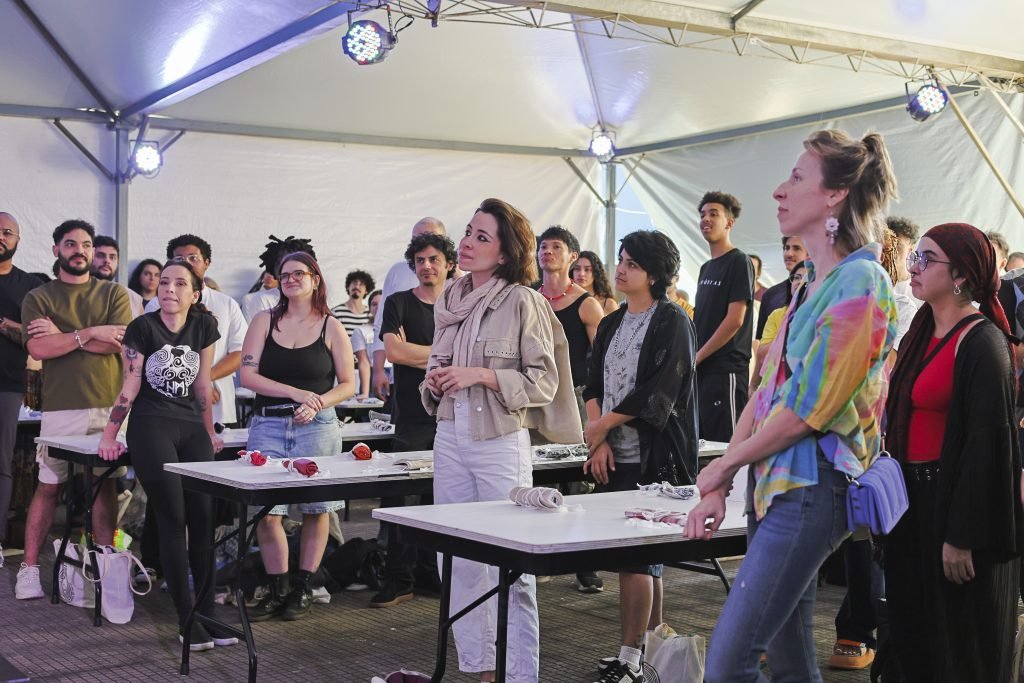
(346, 640)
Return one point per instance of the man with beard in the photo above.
(74, 325)
(106, 253)
(776, 296)
(14, 285)
(407, 330)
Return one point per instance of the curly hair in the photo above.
(602, 288)
(187, 240)
(361, 276)
(890, 251)
(731, 204)
(440, 242)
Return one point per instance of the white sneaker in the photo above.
(321, 596)
(28, 586)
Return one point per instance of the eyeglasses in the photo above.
(7, 233)
(191, 258)
(921, 260)
(296, 275)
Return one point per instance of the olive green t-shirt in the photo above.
(79, 379)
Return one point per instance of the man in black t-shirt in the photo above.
(724, 320)
(407, 330)
(14, 285)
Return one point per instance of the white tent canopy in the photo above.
(470, 109)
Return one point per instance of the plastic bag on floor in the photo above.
(672, 658)
(402, 676)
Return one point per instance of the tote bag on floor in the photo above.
(75, 584)
(116, 570)
(672, 658)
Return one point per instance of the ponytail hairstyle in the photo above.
(197, 286)
(863, 168)
(320, 306)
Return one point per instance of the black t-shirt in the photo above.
(13, 288)
(171, 363)
(774, 298)
(722, 281)
(405, 310)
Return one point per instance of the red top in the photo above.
(929, 402)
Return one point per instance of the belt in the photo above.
(921, 471)
(284, 410)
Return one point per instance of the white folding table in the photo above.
(521, 540)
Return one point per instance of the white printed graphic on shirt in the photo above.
(172, 369)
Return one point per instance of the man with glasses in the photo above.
(227, 355)
(14, 285)
(74, 325)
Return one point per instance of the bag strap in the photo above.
(949, 335)
(87, 566)
(801, 294)
(132, 560)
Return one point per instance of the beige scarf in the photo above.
(460, 304)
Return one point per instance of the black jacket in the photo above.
(663, 401)
(979, 506)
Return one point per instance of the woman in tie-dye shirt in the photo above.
(815, 417)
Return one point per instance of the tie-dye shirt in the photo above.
(839, 338)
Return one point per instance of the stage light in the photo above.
(930, 99)
(367, 42)
(146, 158)
(602, 146)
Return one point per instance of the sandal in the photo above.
(850, 655)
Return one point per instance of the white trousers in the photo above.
(470, 471)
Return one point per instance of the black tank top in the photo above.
(579, 341)
(310, 367)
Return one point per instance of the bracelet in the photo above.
(78, 339)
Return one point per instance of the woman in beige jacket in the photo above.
(499, 366)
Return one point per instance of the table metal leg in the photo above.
(441, 660)
(90, 545)
(505, 580)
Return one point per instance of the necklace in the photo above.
(557, 296)
(641, 321)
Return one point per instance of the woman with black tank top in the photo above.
(291, 358)
(167, 356)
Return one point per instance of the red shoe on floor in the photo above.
(851, 656)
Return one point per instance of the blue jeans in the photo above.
(282, 437)
(771, 604)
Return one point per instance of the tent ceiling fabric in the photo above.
(473, 82)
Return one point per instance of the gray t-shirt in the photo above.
(620, 363)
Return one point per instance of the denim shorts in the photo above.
(282, 437)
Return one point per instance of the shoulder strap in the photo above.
(323, 330)
(801, 294)
(949, 335)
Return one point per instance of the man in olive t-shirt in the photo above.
(74, 325)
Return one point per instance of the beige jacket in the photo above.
(522, 341)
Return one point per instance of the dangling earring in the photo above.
(831, 228)
(956, 289)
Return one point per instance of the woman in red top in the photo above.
(950, 568)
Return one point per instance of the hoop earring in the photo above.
(956, 289)
(831, 229)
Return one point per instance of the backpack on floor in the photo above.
(358, 561)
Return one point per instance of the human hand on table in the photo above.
(600, 463)
(110, 449)
(705, 519)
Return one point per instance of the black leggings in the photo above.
(153, 442)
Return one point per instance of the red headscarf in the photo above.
(972, 256)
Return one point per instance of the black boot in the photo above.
(300, 600)
(273, 604)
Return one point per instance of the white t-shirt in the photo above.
(256, 302)
(232, 327)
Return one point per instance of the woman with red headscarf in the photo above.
(951, 578)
